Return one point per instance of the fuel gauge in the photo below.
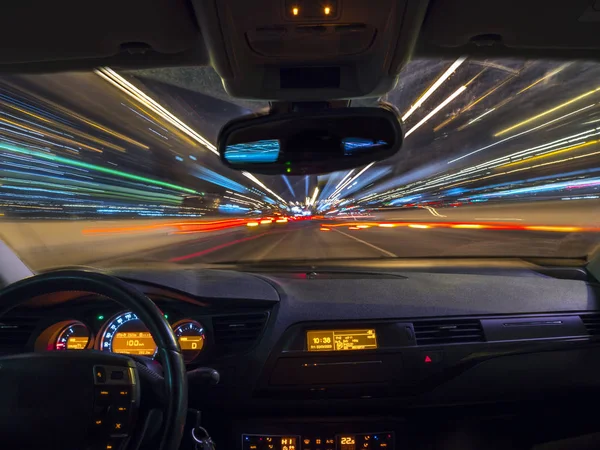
(190, 335)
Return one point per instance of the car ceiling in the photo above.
(72, 35)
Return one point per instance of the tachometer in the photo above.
(74, 336)
(190, 335)
(127, 334)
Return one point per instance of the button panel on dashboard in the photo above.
(346, 441)
(114, 401)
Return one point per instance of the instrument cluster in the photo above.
(123, 333)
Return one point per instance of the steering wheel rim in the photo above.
(175, 376)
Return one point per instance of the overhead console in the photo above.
(309, 49)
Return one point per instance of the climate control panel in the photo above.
(341, 441)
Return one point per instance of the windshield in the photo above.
(501, 158)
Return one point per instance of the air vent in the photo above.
(239, 332)
(592, 324)
(435, 332)
(15, 333)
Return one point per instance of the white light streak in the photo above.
(260, 183)
(434, 87)
(455, 94)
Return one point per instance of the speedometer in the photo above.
(127, 334)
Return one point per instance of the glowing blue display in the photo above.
(353, 143)
(266, 151)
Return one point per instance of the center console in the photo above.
(326, 440)
(311, 433)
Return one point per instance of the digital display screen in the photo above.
(77, 343)
(347, 442)
(191, 342)
(365, 441)
(270, 442)
(134, 343)
(288, 443)
(340, 340)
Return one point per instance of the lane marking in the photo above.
(385, 252)
(433, 211)
(495, 218)
(269, 249)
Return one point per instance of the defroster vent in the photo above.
(238, 332)
(433, 332)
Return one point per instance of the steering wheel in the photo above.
(86, 399)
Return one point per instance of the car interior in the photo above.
(385, 355)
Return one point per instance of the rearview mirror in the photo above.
(303, 143)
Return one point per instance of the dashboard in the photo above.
(313, 364)
(123, 333)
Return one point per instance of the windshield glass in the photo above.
(501, 158)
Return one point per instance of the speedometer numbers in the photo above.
(191, 337)
(127, 334)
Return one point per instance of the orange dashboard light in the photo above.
(252, 224)
(325, 229)
(295, 11)
(327, 10)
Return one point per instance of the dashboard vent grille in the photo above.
(15, 331)
(448, 331)
(592, 324)
(239, 332)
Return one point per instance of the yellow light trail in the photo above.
(549, 228)
(553, 153)
(523, 169)
(45, 133)
(467, 225)
(121, 83)
(549, 111)
(551, 74)
(503, 102)
(476, 101)
(64, 127)
(83, 119)
(150, 109)
(522, 133)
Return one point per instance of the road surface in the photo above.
(451, 232)
(307, 241)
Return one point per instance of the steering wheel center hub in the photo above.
(88, 397)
